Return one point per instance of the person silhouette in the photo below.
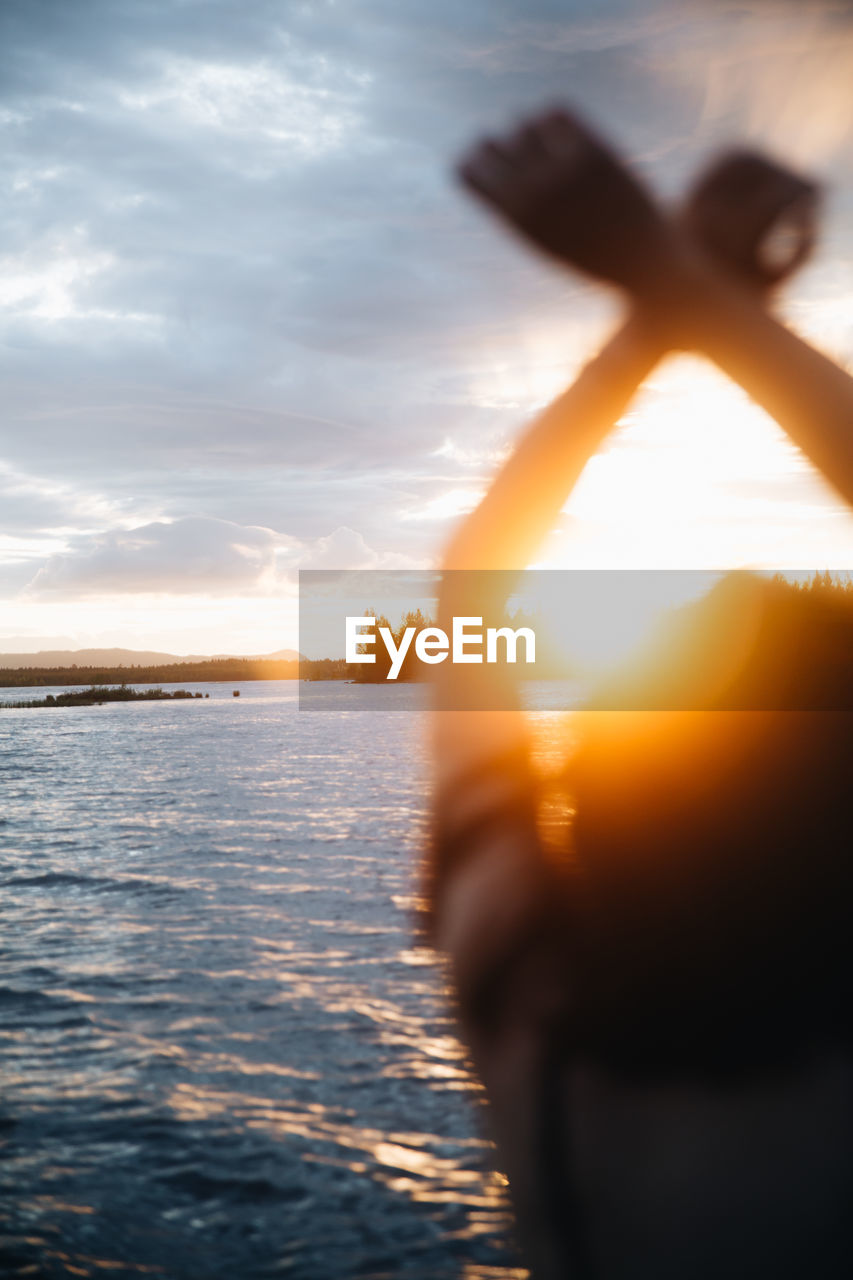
(660, 1018)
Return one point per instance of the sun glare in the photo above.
(698, 477)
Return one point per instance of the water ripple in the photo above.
(222, 1055)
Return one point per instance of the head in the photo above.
(713, 823)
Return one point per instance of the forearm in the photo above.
(524, 501)
(808, 395)
(526, 497)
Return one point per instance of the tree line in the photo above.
(227, 670)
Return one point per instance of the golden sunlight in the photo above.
(698, 477)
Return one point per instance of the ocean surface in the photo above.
(222, 1053)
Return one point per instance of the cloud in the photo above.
(347, 549)
(240, 291)
(255, 102)
(198, 555)
(194, 555)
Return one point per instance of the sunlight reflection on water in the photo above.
(223, 1055)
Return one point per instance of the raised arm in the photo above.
(809, 396)
(524, 500)
(746, 218)
(482, 763)
(484, 802)
(678, 284)
(486, 872)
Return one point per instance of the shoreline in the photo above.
(96, 695)
(216, 671)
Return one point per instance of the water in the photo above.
(222, 1053)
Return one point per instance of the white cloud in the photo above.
(240, 288)
(345, 548)
(47, 288)
(196, 554)
(255, 102)
(446, 506)
(50, 281)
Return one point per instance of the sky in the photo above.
(250, 324)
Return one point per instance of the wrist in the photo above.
(681, 299)
(642, 338)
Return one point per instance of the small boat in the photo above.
(236, 693)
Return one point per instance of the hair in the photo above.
(711, 842)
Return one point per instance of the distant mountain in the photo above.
(123, 657)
